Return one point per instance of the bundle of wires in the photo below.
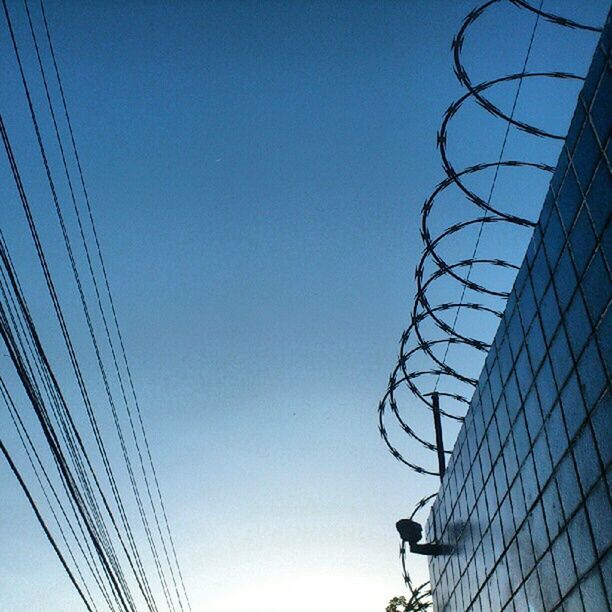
(94, 492)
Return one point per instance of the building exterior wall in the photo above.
(525, 501)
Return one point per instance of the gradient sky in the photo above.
(257, 171)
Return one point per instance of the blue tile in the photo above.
(536, 347)
(597, 197)
(525, 549)
(548, 581)
(542, 459)
(561, 357)
(592, 373)
(554, 239)
(556, 435)
(553, 511)
(517, 498)
(593, 594)
(580, 541)
(550, 315)
(533, 414)
(522, 443)
(587, 461)
(582, 241)
(597, 287)
(529, 481)
(567, 482)
(509, 458)
(564, 568)
(586, 156)
(503, 421)
(569, 201)
(599, 512)
(532, 590)
(573, 601)
(601, 428)
(572, 405)
(540, 275)
(565, 279)
(578, 324)
(539, 532)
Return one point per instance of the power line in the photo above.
(27, 347)
(101, 309)
(19, 334)
(141, 577)
(40, 519)
(113, 309)
(27, 383)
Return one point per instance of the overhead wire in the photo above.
(21, 338)
(42, 523)
(38, 468)
(36, 340)
(27, 348)
(113, 308)
(138, 568)
(99, 300)
(29, 447)
(34, 396)
(91, 329)
(53, 442)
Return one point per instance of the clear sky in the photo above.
(257, 171)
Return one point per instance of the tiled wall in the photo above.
(526, 497)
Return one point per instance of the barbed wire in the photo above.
(417, 341)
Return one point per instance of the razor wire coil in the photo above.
(418, 342)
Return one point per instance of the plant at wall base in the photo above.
(414, 604)
(397, 604)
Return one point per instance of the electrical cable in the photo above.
(42, 523)
(113, 310)
(49, 434)
(37, 366)
(140, 574)
(106, 326)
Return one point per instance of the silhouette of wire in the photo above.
(93, 337)
(105, 555)
(86, 498)
(77, 475)
(40, 519)
(141, 578)
(36, 364)
(117, 329)
(417, 342)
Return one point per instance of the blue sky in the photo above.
(257, 171)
